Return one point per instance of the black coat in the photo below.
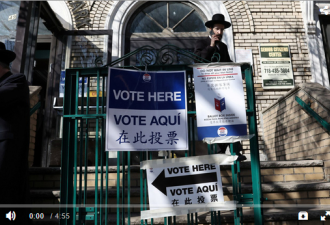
(204, 50)
(14, 140)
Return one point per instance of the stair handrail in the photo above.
(314, 114)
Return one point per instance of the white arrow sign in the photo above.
(180, 183)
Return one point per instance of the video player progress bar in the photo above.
(310, 206)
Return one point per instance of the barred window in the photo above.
(172, 16)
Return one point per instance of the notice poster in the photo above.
(220, 104)
(62, 85)
(146, 111)
(244, 55)
(276, 66)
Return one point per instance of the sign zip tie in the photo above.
(146, 68)
(137, 68)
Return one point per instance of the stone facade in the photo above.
(98, 12)
(87, 51)
(291, 133)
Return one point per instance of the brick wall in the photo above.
(34, 99)
(264, 22)
(292, 134)
(86, 51)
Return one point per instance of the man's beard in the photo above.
(219, 37)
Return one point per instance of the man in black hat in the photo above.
(211, 48)
(14, 139)
(212, 44)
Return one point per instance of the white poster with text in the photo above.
(220, 104)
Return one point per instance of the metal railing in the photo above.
(77, 120)
(314, 114)
(35, 108)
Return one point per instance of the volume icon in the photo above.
(11, 215)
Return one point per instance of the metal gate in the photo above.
(84, 123)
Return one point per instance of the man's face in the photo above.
(218, 30)
(3, 70)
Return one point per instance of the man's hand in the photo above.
(214, 38)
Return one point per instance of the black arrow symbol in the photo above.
(162, 182)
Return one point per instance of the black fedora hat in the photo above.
(217, 18)
(6, 56)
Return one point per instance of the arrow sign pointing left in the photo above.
(162, 182)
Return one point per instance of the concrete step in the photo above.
(227, 189)
(285, 184)
(271, 171)
(293, 194)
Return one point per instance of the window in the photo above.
(159, 23)
(8, 21)
(172, 16)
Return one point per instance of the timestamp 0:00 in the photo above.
(40, 216)
(36, 216)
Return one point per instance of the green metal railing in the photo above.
(35, 108)
(314, 114)
(82, 112)
(78, 109)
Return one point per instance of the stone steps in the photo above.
(275, 171)
(302, 184)
(246, 188)
(281, 193)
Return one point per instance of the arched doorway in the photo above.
(159, 23)
(121, 12)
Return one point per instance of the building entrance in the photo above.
(325, 29)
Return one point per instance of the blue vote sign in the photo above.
(146, 110)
